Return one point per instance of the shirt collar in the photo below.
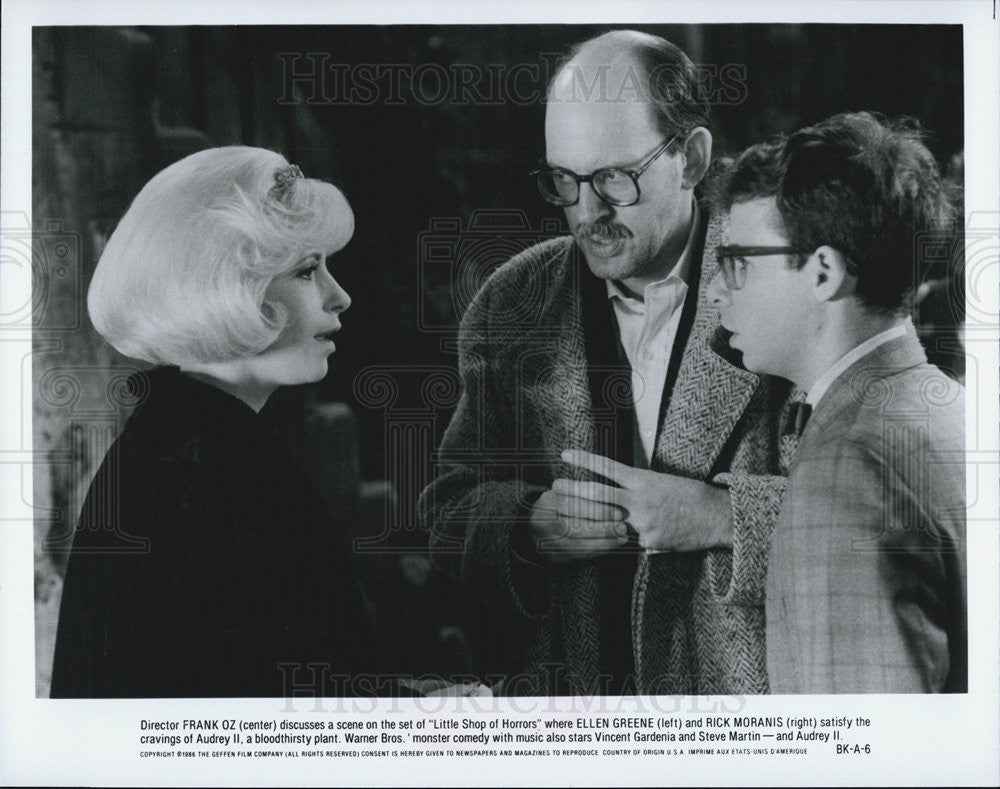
(818, 389)
(681, 269)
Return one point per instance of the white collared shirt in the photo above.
(818, 389)
(647, 328)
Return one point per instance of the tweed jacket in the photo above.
(866, 590)
(697, 621)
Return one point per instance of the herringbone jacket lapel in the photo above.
(710, 394)
(707, 401)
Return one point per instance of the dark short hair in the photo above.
(678, 99)
(859, 183)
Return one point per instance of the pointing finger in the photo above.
(606, 467)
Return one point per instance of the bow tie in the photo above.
(795, 421)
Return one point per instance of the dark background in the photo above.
(416, 158)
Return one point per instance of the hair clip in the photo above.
(284, 176)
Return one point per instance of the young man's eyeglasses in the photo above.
(733, 261)
(614, 185)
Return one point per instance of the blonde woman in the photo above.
(217, 274)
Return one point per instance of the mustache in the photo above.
(601, 231)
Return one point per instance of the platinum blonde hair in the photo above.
(183, 277)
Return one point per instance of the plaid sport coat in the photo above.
(866, 587)
(527, 361)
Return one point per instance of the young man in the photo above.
(866, 577)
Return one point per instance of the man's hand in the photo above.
(572, 527)
(668, 512)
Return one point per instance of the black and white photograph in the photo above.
(396, 392)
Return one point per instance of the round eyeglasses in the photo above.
(614, 185)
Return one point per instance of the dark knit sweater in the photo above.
(204, 564)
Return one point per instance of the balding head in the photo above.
(623, 107)
(631, 66)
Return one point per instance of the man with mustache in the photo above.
(589, 356)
